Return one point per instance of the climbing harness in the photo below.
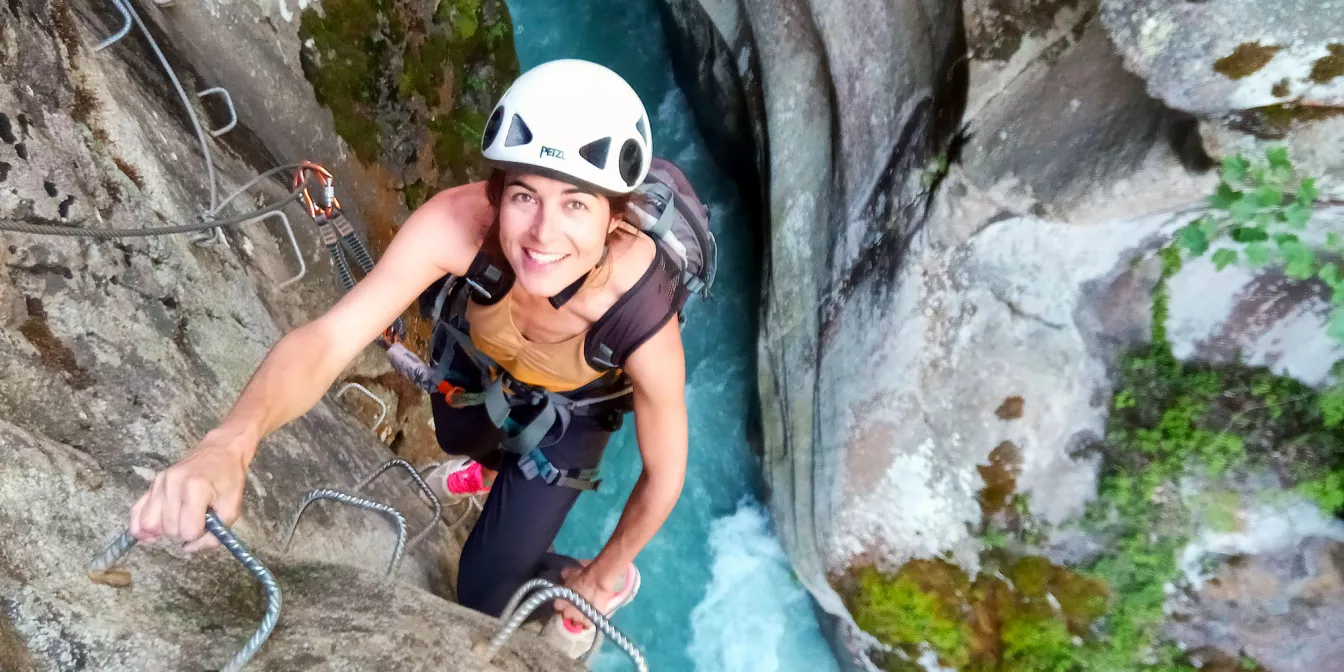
(124, 543)
(539, 592)
(503, 394)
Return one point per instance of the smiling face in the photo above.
(551, 232)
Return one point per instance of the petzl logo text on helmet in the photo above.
(552, 152)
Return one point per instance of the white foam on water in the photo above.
(755, 617)
(718, 592)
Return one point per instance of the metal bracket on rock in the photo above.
(350, 500)
(212, 236)
(124, 543)
(419, 482)
(228, 100)
(539, 592)
(125, 28)
(371, 395)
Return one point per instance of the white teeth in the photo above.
(544, 258)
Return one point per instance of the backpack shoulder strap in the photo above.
(489, 278)
(654, 299)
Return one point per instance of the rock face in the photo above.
(1277, 597)
(195, 613)
(1210, 58)
(117, 356)
(909, 296)
(832, 110)
(1257, 73)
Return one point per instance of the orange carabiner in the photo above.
(324, 178)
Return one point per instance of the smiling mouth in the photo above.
(542, 258)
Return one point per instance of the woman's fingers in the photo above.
(172, 504)
(195, 499)
(151, 514)
(137, 511)
(206, 542)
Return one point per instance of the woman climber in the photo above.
(556, 318)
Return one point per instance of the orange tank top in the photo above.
(558, 367)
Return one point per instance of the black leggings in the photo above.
(510, 543)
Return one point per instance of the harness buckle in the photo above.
(535, 464)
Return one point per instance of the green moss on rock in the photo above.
(400, 84)
(921, 603)
(1021, 614)
(1247, 59)
(1274, 122)
(1329, 67)
(350, 53)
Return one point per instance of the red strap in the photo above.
(449, 390)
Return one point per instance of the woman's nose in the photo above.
(544, 227)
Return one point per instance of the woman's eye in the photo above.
(522, 197)
(578, 205)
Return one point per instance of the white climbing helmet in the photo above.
(575, 121)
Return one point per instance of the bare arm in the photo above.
(292, 378)
(440, 237)
(658, 371)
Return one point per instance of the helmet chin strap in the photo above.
(568, 293)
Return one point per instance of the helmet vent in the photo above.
(643, 129)
(596, 152)
(492, 127)
(632, 159)
(519, 133)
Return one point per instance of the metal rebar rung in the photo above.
(228, 101)
(549, 591)
(420, 482)
(522, 592)
(293, 242)
(373, 396)
(274, 599)
(350, 500)
(125, 28)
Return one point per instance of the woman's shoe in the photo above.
(577, 641)
(456, 479)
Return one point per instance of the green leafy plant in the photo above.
(1260, 212)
